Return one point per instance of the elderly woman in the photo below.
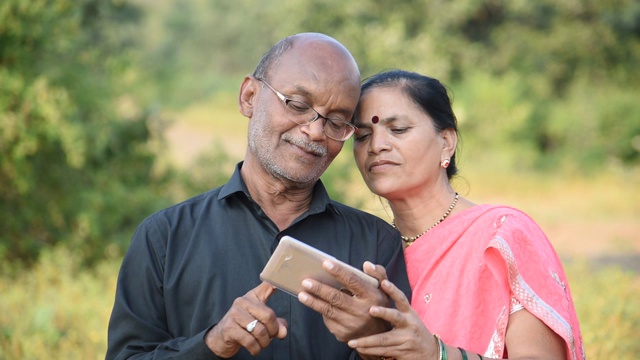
(486, 281)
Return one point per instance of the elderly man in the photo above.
(189, 285)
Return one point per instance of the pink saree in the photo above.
(468, 272)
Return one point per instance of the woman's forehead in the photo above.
(383, 99)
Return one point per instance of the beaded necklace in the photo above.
(410, 240)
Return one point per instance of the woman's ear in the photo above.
(450, 142)
(247, 95)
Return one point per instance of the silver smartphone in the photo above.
(294, 261)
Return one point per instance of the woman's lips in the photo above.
(381, 165)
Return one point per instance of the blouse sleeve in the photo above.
(535, 275)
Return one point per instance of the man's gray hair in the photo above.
(272, 56)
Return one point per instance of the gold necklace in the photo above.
(410, 240)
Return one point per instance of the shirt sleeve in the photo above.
(138, 321)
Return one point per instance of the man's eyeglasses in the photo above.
(303, 114)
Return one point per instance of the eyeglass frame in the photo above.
(286, 100)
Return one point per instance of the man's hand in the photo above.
(346, 312)
(239, 328)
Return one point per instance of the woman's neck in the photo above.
(417, 215)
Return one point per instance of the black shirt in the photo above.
(188, 263)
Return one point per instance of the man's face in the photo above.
(320, 76)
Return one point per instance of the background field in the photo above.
(111, 110)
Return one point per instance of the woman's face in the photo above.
(397, 148)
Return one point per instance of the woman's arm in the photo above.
(529, 338)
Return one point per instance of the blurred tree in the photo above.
(199, 47)
(210, 169)
(547, 53)
(75, 165)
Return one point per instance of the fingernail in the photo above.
(306, 284)
(303, 297)
(328, 265)
(353, 343)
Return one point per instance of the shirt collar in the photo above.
(236, 184)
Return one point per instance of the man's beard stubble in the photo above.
(260, 147)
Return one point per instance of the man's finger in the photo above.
(264, 291)
(282, 328)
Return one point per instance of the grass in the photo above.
(56, 310)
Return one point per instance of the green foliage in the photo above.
(596, 125)
(550, 55)
(592, 126)
(542, 84)
(211, 169)
(75, 165)
(196, 48)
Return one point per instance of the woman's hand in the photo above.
(346, 311)
(408, 339)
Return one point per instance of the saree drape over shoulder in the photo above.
(471, 271)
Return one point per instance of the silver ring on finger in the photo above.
(252, 325)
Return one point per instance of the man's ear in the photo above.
(247, 96)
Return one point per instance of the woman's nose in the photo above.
(378, 143)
